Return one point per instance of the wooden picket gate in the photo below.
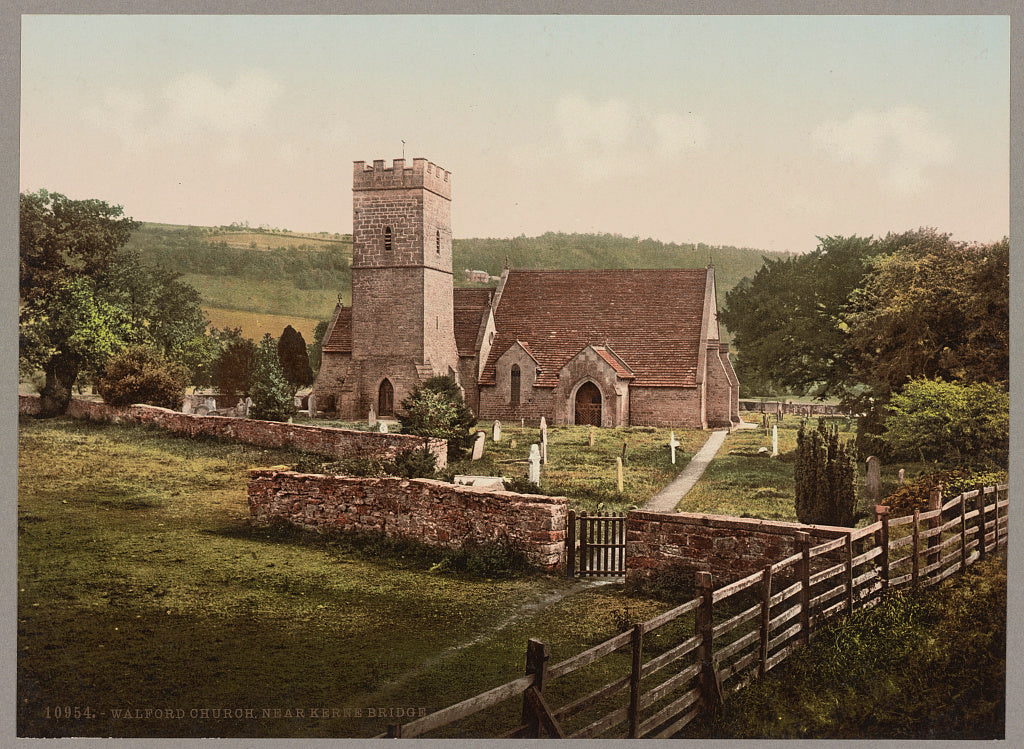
(601, 550)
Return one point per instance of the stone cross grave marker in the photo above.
(775, 440)
(478, 446)
(534, 470)
(618, 473)
(673, 443)
(372, 418)
(873, 481)
(496, 431)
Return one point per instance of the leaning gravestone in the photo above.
(873, 481)
(478, 446)
(534, 470)
(496, 431)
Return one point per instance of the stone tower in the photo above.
(402, 298)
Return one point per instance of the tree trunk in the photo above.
(56, 393)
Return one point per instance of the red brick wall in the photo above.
(729, 548)
(665, 406)
(327, 441)
(431, 512)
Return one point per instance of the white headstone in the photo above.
(543, 424)
(382, 427)
(873, 481)
(478, 446)
(618, 473)
(673, 443)
(775, 440)
(534, 474)
(496, 431)
(372, 418)
(590, 435)
(311, 402)
(903, 476)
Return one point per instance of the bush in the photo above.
(949, 421)
(272, 397)
(824, 475)
(916, 494)
(437, 409)
(142, 375)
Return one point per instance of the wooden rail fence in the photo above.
(658, 676)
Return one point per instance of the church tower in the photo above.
(403, 329)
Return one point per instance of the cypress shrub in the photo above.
(825, 477)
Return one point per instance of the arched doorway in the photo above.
(386, 399)
(588, 405)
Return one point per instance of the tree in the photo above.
(949, 421)
(437, 409)
(66, 322)
(235, 366)
(788, 320)
(294, 358)
(824, 476)
(316, 347)
(272, 397)
(141, 374)
(932, 308)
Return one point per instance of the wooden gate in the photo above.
(601, 547)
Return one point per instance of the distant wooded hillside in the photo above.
(274, 272)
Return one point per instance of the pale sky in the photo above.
(751, 131)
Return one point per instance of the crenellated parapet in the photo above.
(422, 174)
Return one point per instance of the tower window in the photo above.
(438, 241)
(387, 238)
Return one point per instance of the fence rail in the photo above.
(738, 633)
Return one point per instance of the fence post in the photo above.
(849, 573)
(710, 695)
(536, 664)
(981, 522)
(804, 541)
(934, 503)
(963, 531)
(634, 680)
(570, 544)
(914, 560)
(584, 555)
(995, 508)
(766, 617)
(882, 514)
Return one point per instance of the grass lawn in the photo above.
(142, 585)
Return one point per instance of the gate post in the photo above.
(804, 541)
(584, 551)
(570, 544)
(882, 513)
(710, 695)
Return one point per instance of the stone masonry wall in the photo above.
(431, 512)
(729, 548)
(665, 406)
(327, 441)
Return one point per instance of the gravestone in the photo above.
(372, 418)
(903, 476)
(211, 404)
(311, 402)
(478, 446)
(618, 474)
(186, 406)
(534, 471)
(382, 427)
(775, 440)
(543, 440)
(623, 451)
(673, 443)
(590, 435)
(873, 481)
(512, 444)
(248, 406)
(496, 431)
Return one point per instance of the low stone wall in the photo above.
(431, 512)
(729, 548)
(327, 441)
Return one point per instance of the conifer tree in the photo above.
(825, 474)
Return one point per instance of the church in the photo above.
(602, 347)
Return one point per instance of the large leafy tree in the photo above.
(68, 322)
(788, 321)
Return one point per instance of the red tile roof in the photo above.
(470, 307)
(339, 336)
(620, 367)
(650, 318)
